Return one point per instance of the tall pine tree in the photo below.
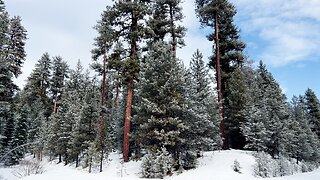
(127, 19)
(12, 56)
(162, 102)
(219, 14)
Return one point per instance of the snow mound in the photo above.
(217, 165)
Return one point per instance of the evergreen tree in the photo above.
(15, 49)
(313, 107)
(166, 15)
(267, 111)
(36, 95)
(219, 14)
(303, 145)
(57, 82)
(162, 105)
(12, 56)
(236, 100)
(19, 140)
(38, 85)
(204, 128)
(127, 21)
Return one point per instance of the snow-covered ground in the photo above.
(213, 165)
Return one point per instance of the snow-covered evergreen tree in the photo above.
(157, 164)
(162, 105)
(313, 107)
(205, 131)
(18, 143)
(60, 72)
(12, 56)
(266, 112)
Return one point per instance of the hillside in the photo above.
(213, 165)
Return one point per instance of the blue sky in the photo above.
(285, 34)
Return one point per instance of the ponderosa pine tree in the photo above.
(219, 14)
(127, 21)
(166, 14)
(313, 107)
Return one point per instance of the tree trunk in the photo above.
(60, 158)
(173, 34)
(218, 78)
(101, 160)
(127, 122)
(101, 125)
(133, 58)
(77, 160)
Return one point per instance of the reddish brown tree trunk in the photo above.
(218, 77)
(133, 59)
(127, 122)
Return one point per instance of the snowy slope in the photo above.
(214, 165)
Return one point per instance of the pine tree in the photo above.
(19, 140)
(313, 107)
(16, 53)
(204, 132)
(85, 118)
(162, 102)
(265, 114)
(219, 14)
(38, 84)
(236, 100)
(166, 15)
(57, 82)
(36, 95)
(12, 56)
(127, 21)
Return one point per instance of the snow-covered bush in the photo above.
(308, 166)
(266, 166)
(157, 165)
(236, 166)
(28, 167)
(2, 178)
(264, 163)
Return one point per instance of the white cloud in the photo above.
(287, 29)
(195, 36)
(283, 31)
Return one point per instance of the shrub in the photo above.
(157, 165)
(28, 167)
(236, 166)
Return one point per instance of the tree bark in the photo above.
(218, 78)
(133, 59)
(127, 122)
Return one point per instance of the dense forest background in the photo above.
(143, 101)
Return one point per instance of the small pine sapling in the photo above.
(236, 166)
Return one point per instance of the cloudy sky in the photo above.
(285, 34)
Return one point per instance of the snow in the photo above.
(213, 165)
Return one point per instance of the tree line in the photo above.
(143, 101)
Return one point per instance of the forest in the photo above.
(144, 102)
